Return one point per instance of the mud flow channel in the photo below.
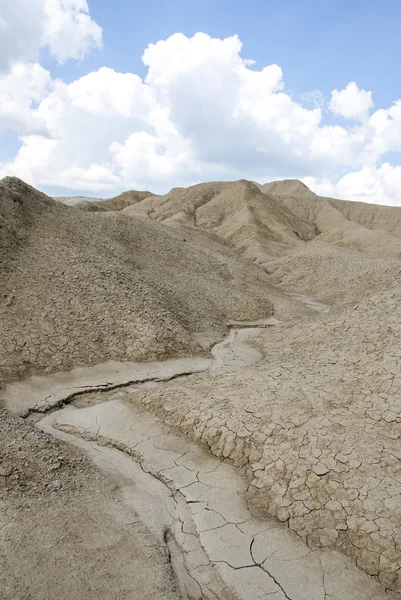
(193, 502)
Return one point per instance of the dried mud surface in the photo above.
(193, 501)
(309, 420)
(65, 531)
(316, 426)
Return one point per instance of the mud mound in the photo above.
(74, 200)
(80, 288)
(357, 251)
(366, 228)
(334, 275)
(114, 204)
(314, 425)
(334, 249)
(371, 216)
(62, 533)
(239, 213)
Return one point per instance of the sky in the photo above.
(98, 97)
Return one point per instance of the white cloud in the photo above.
(68, 29)
(231, 113)
(21, 90)
(202, 112)
(83, 120)
(377, 185)
(351, 103)
(145, 161)
(321, 187)
(64, 26)
(382, 133)
(315, 98)
(35, 151)
(93, 178)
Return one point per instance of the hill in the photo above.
(303, 241)
(74, 200)
(113, 204)
(313, 426)
(80, 288)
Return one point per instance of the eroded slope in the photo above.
(304, 241)
(80, 288)
(113, 204)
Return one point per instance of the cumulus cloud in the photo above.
(322, 187)
(377, 185)
(83, 120)
(69, 31)
(21, 90)
(202, 112)
(351, 102)
(382, 133)
(64, 26)
(314, 98)
(230, 112)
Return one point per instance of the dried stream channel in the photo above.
(192, 501)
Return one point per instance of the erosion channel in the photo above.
(193, 502)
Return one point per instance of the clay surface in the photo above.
(192, 502)
(200, 395)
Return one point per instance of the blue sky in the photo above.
(319, 47)
(318, 44)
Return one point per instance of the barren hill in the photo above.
(116, 203)
(237, 212)
(293, 426)
(356, 252)
(79, 288)
(302, 240)
(74, 200)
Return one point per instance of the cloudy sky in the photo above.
(104, 96)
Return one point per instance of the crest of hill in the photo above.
(295, 235)
(355, 225)
(238, 213)
(74, 200)
(81, 288)
(113, 204)
(356, 252)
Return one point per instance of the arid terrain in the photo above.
(200, 395)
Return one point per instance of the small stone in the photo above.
(5, 470)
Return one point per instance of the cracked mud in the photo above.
(197, 499)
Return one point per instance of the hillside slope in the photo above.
(113, 204)
(80, 288)
(356, 252)
(237, 212)
(308, 244)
